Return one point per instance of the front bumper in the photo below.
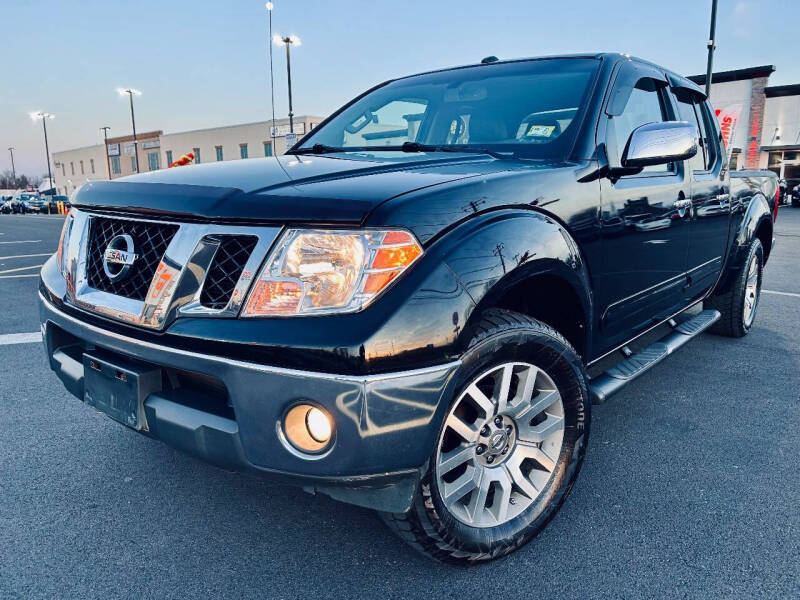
(386, 424)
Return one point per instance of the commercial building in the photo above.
(158, 150)
(761, 123)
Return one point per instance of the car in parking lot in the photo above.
(413, 309)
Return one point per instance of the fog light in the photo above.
(308, 428)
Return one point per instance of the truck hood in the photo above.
(335, 188)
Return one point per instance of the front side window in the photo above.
(219, 152)
(708, 135)
(687, 111)
(645, 105)
(526, 108)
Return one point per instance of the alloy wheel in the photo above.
(500, 444)
(751, 292)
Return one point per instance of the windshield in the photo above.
(530, 108)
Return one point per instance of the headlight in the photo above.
(63, 242)
(326, 271)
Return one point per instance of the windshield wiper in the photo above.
(319, 149)
(417, 147)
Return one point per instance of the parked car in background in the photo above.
(5, 205)
(796, 195)
(37, 204)
(419, 326)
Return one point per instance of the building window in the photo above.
(134, 166)
(63, 170)
(267, 148)
(91, 165)
(115, 167)
(219, 152)
(152, 161)
(242, 150)
(169, 157)
(196, 152)
(72, 167)
(82, 172)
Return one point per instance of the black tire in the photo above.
(732, 303)
(501, 336)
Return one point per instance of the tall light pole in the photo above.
(289, 41)
(13, 170)
(270, 6)
(105, 150)
(131, 93)
(711, 45)
(44, 116)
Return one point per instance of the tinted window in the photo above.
(645, 105)
(708, 134)
(530, 108)
(687, 111)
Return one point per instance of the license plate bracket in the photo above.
(118, 387)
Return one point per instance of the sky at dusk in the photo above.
(205, 63)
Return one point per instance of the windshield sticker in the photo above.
(541, 131)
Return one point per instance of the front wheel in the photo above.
(509, 449)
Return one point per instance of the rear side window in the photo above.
(708, 134)
(645, 105)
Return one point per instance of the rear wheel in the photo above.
(739, 304)
(509, 449)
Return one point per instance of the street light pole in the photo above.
(105, 150)
(711, 46)
(131, 93)
(270, 6)
(288, 40)
(13, 170)
(44, 116)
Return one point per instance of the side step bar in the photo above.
(618, 376)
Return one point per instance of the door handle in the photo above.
(723, 200)
(682, 205)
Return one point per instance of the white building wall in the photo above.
(728, 97)
(73, 168)
(230, 139)
(781, 118)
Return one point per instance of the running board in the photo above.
(618, 376)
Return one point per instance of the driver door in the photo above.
(645, 237)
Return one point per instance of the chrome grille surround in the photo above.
(178, 280)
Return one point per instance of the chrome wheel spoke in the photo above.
(504, 387)
(539, 433)
(455, 458)
(460, 487)
(477, 502)
(528, 450)
(483, 402)
(468, 432)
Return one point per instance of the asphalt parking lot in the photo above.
(690, 487)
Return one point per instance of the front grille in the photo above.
(226, 268)
(150, 241)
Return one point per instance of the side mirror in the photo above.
(660, 143)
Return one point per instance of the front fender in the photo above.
(493, 252)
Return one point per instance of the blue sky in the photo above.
(203, 63)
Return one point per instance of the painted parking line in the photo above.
(18, 276)
(25, 256)
(20, 338)
(791, 294)
(20, 269)
(22, 242)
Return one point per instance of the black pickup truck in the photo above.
(415, 307)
